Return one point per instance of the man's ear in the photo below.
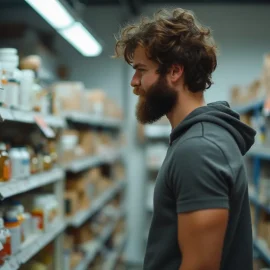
(176, 72)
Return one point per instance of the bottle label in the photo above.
(12, 94)
(7, 170)
(40, 219)
(7, 246)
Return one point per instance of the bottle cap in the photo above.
(11, 216)
(3, 147)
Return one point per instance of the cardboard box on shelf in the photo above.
(95, 174)
(82, 235)
(94, 101)
(103, 184)
(68, 242)
(263, 227)
(77, 183)
(87, 142)
(266, 73)
(84, 201)
(75, 259)
(254, 90)
(67, 156)
(67, 96)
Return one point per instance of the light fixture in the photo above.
(53, 12)
(56, 14)
(81, 39)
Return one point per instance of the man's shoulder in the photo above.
(205, 134)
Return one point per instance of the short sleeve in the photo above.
(199, 176)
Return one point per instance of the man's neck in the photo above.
(186, 103)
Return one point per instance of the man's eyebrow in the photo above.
(138, 65)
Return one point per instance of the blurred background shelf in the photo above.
(15, 186)
(250, 106)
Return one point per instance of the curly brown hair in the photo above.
(173, 37)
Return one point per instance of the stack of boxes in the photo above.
(72, 96)
(82, 189)
(78, 144)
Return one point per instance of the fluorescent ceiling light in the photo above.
(53, 12)
(81, 39)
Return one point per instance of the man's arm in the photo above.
(201, 237)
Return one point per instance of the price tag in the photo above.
(47, 131)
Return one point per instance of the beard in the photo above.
(156, 102)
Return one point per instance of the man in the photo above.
(201, 218)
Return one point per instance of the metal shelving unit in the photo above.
(92, 161)
(33, 246)
(100, 202)
(110, 263)
(157, 131)
(56, 177)
(257, 153)
(249, 107)
(262, 250)
(83, 164)
(14, 187)
(260, 152)
(29, 117)
(92, 120)
(93, 247)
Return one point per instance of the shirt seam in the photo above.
(227, 161)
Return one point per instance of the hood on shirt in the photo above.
(220, 114)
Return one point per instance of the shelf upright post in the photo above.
(135, 163)
(59, 240)
(58, 189)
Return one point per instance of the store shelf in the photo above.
(84, 118)
(92, 161)
(83, 164)
(248, 107)
(259, 151)
(254, 200)
(33, 246)
(6, 114)
(29, 117)
(93, 247)
(262, 250)
(14, 187)
(157, 131)
(55, 121)
(84, 215)
(91, 250)
(110, 263)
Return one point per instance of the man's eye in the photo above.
(141, 70)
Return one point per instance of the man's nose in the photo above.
(135, 82)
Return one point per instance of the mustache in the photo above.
(138, 92)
